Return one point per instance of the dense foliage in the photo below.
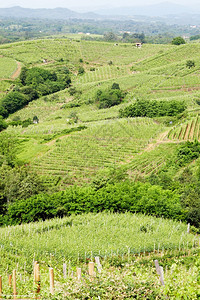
(120, 197)
(34, 82)
(147, 108)
(3, 124)
(110, 97)
(178, 41)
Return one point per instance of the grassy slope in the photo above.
(141, 146)
(153, 72)
(126, 244)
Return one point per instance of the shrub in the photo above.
(120, 197)
(178, 41)
(146, 108)
(81, 71)
(109, 97)
(3, 124)
(190, 64)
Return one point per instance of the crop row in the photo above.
(188, 131)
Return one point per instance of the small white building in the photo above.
(138, 45)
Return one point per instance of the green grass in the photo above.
(7, 67)
(89, 235)
(127, 245)
(78, 156)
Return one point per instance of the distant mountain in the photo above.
(45, 13)
(161, 9)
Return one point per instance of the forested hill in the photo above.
(45, 13)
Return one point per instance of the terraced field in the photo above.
(189, 130)
(80, 155)
(152, 72)
(7, 67)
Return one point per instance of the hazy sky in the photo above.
(85, 3)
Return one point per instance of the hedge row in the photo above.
(121, 197)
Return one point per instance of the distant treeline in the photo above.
(12, 30)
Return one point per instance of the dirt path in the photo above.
(17, 72)
(162, 139)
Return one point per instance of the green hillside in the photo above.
(127, 246)
(104, 139)
(152, 72)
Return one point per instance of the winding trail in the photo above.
(17, 72)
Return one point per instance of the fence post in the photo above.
(160, 272)
(34, 271)
(78, 270)
(91, 270)
(10, 280)
(188, 228)
(37, 278)
(14, 285)
(64, 270)
(51, 281)
(99, 266)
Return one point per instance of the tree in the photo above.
(110, 37)
(8, 148)
(115, 86)
(3, 124)
(19, 183)
(178, 41)
(190, 64)
(81, 71)
(35, 120)
(109, 97)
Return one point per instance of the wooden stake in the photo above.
(91, 269)
(14, 285)
(64, 270)
(10, 280)
(51, 280)
(0, 286)
(37, 278)
(160, 272)
(99, 266)
(34, 271)
(188, 228)
(78, 270)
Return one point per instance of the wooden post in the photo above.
(34, 271)
(37, 278)
(78, 270)
(188, 228)
(0, 286)
(10, 280)
(91, 269)
(99, 266)
(51, 281)
(14, 285)
(160, 272)
(64, 270)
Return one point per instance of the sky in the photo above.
(87, 4)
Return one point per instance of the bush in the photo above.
(188, 152)
(178, 41)
(12, 102)
(146, 108)
(120, 197)
(109, 97)
(81, 71)
(3, 124)
(190, 64)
